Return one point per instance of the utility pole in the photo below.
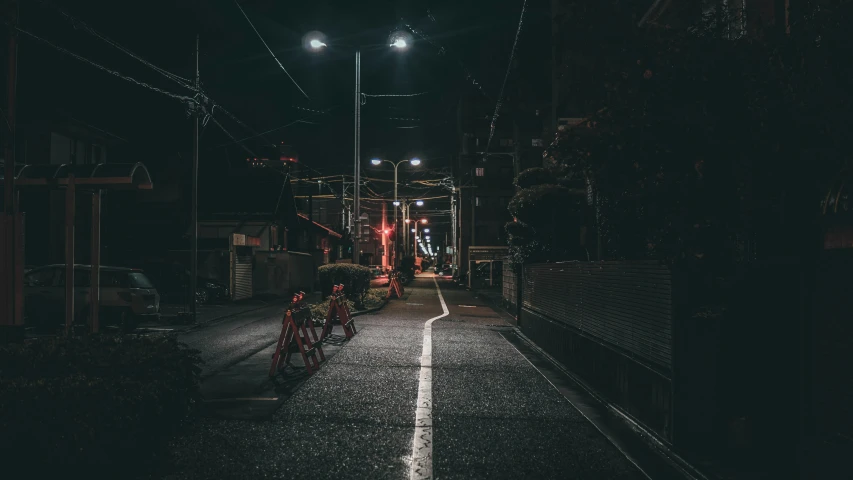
(194, 219)
(454, 259)
(356, 254)
(12, 226)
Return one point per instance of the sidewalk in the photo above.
(172, 314)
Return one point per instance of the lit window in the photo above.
(481, 172)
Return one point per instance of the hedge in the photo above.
(355, 279)
(94, 404)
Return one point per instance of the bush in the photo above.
(107, 402)
(375, 297)
(355, 279)
(535, 176)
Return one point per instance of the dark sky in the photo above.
(239, 74)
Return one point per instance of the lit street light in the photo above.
(413, 161)
(315, 41)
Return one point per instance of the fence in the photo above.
(510, 285)
(612, 324)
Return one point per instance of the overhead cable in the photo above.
(270, 50)
(506, 76)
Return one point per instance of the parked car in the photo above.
(127, 296)
(377, 271)
(444, 270)
(173, 282)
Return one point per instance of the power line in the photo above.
(270, 50)
(441, 51)
(77, 23)
(506, 76)
(256, 135)
(183, 98)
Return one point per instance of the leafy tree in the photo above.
(693, 131)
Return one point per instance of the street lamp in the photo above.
(422, 221)
(316, 41)
(412, 161)
(426, 230)
(405, 207)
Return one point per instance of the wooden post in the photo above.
(70, 195)
(95, 286)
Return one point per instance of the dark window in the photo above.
(81, 278)
(112, 279)
(40, 278)
(139, 280)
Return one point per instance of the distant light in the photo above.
(387, 231)
(408, 220)
(376, 161)
(316, 44)
(413, 230)
(424, 220)
(427, 237)
(426, 230)
(419, 203)
(396, 203)
(415, 161)
(400, 43)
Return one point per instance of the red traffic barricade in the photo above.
(395, 287)
(298, 335)
(338, 310)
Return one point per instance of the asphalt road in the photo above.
(228, 341)
(488, 414)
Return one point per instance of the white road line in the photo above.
(254, 399)
(422, 444)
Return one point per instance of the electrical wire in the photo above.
(506, 76)
(182, 98)
(224, 130)
(442, 51)
(274, 129)
(236, 2)
(77, 23)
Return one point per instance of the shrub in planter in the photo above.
(355, 279)
(95, 403)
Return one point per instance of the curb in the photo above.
(684, 467)
(371, 310)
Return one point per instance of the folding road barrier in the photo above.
(294, 338)
(338, 310)
(395, 286)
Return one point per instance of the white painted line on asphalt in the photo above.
(256, 399)
(422, 444)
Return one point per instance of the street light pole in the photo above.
(356, 254)
(194, 220)
(396, 202)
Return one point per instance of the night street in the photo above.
(493, 414)
(521, 239)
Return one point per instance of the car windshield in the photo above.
(139, 280)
